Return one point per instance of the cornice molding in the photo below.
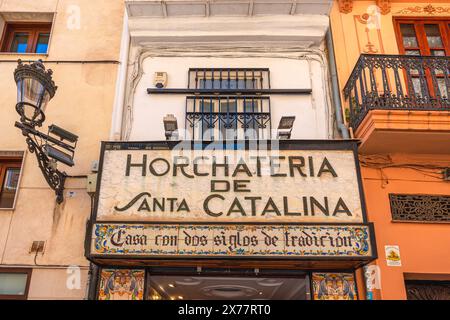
(210, 8)
(384, 6)
(304, 30)
(346, 6)
(438, 121)
(428, 9)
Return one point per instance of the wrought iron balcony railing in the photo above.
(397, 82)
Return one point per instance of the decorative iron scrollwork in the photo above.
(431, 208)
(54, 177)
(211, 117)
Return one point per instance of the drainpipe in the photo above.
(92, 282)
(117, 114)
(335, 86)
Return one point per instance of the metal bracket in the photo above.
(53, 176)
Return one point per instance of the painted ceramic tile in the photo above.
(334, 286)
(231, 240)
(121, 284)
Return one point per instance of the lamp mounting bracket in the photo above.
(55, 178)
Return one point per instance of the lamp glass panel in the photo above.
(32, 91)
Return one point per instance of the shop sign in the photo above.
(231, 240)
(228, 185)
(393, 256)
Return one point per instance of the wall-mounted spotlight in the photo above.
(285, 127)
(35, 88)
(62, 134)
(171, 127)
(64, 151)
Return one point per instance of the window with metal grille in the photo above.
(229, 79)
(426, 208)
(226, 114)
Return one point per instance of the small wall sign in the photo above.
(393, 256)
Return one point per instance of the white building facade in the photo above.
(250, 73)
(277, 46)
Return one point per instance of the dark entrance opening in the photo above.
(226, 284)
(427, 290)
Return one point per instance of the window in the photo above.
(26, 37)
(224, 114)
(14, 283)
(228, 79)
(425, 37)
(9, 179)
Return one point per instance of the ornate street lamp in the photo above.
(35, 88)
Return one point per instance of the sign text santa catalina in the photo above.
(229, 186)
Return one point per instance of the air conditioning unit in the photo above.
(160, 80)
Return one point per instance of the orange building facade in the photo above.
(393, 60)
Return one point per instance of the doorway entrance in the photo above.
(427, 290)
(227, 284)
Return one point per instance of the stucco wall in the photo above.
(83, 105)
(310, 110)
(424, 247)
(53, 283)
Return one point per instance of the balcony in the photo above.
(400, 103)
(228, 117)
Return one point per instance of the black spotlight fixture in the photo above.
(285, 127)
(35, 88)
(170, 127)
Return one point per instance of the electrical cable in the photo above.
(384, 162)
